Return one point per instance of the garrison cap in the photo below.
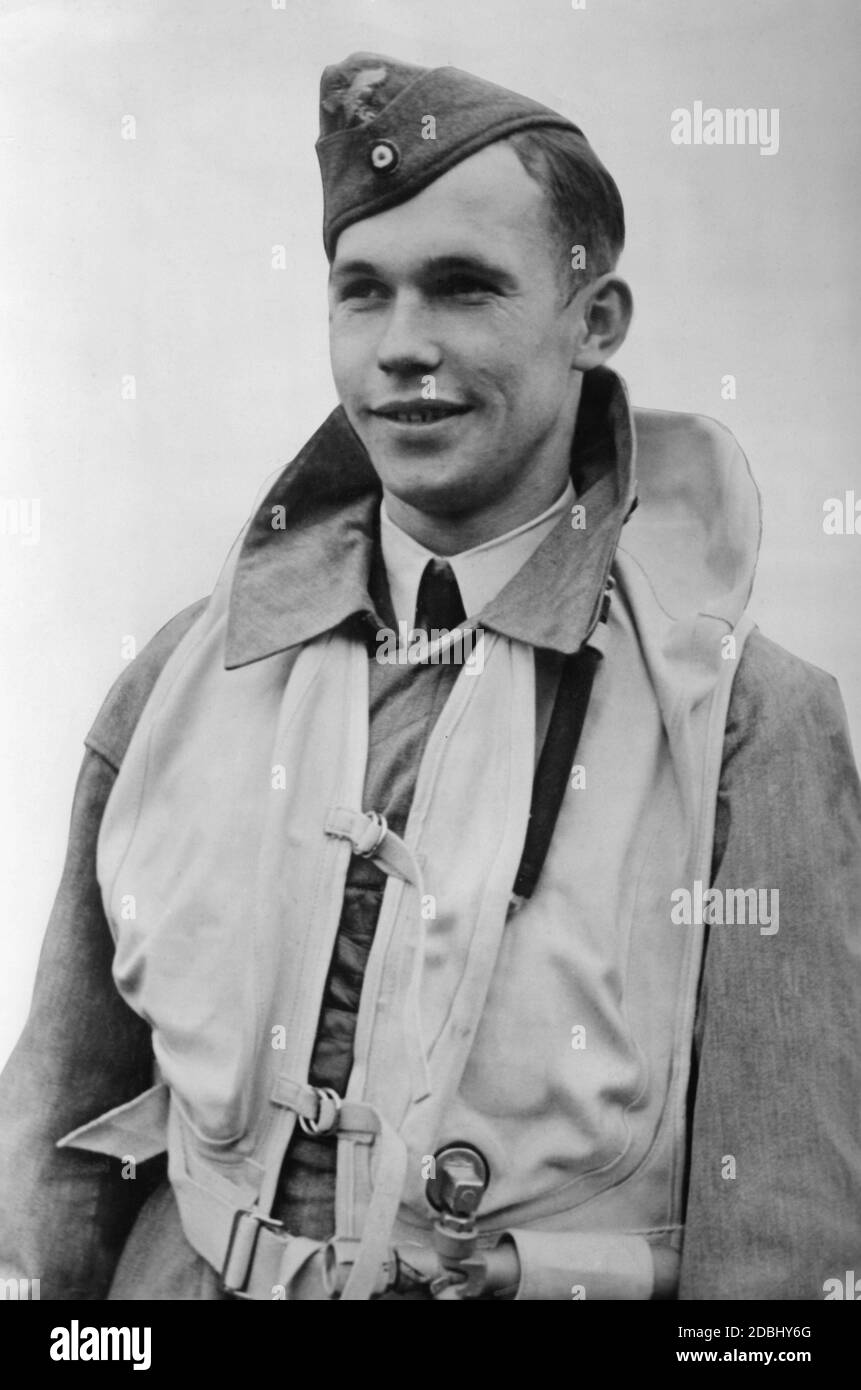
(377, 147)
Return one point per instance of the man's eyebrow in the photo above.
(340, 272)
(469, 265)
(433, 268)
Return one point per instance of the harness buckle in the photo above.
(372, 836)
(328, 1112)
(241, 1248)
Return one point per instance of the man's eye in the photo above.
(462, 286)
(362, 289)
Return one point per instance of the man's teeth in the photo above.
(419, 417)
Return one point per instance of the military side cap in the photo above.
(374, 149)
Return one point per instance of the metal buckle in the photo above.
(322, 1123)
(271, 1224)
(379, 828)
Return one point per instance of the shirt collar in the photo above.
(296, 580)
(480, 571)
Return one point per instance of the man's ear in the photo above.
(605, 307)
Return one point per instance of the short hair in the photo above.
(584, 203)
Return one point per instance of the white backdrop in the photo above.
(151, 258)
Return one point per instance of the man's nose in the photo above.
(408, 343)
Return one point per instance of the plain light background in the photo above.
(152, 257)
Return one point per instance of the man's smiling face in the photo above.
(460, 284)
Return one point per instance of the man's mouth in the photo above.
(419, 412)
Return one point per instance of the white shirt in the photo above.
(480, 572)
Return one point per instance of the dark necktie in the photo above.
(438, 602)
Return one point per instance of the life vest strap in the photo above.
(325, 1113)
(372, 839)
(261, 1256)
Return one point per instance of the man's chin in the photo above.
(440, 482)
(437, 497)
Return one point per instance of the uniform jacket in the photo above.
(774, 1154)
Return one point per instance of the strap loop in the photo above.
(328, 1114)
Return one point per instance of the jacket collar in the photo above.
(293, 583)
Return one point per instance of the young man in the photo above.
(572, 892)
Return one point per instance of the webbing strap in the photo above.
(554, 766)
(371, 839)
(297, 1255)
(137, 1129)
(391, 1168)
(260, 1255)
(350, 1119)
